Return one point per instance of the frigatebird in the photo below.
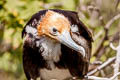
(56, 45)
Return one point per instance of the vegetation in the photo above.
(96, 14)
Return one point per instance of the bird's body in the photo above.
(57, 45)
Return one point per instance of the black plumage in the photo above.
(70, 59)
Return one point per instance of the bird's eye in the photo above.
(54, 31)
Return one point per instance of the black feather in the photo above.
(77, 65)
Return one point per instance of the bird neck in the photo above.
(51, 51)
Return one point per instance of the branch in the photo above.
(115, 75)
(111, 21)
(101, 78)
(96, 78)
(97, 63)
(100, 45)
(117, 62)
(113, 47)
(117, 3)
(109, 61)
(98, 34)
(106, 28)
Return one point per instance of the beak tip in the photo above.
(82, 51)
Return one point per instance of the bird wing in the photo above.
(32, 59)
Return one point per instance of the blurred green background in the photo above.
(14, 14)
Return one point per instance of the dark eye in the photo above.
(55, 30)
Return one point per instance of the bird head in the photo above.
(57, 27)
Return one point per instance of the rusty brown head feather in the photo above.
(53, 22)
(57, 27)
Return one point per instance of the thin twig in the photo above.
(117, 62)
(109, 61)
(106, 28)
(96, 63)
(101, 78)
(113, 47)
(111, 21)
(114, 76)
(116, 4)
(96, 78)
(100, 46)
(98, 34)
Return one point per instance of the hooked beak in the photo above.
(66, 39)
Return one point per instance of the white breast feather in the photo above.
(31, 30)
(51, 51)
(74, 28)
